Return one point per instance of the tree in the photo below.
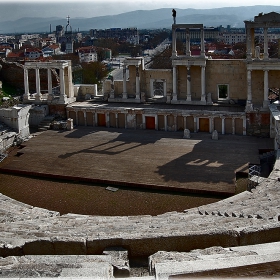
(94, 72)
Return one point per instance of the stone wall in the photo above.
(258, 123)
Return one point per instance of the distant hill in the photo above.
(142, 19)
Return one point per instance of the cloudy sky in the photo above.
(14, 9)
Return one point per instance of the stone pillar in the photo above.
(165, 122)
(95, 119)
(174, 51)
(223, 125)
(49, 81)
(265, 43)
(249, 42)
(117, 120)
(244, 126)
(62, 97)
(233, 126)
(185, 122)
(85, 118)
(124, 83)
(156, 122)
(188, 42)
(175, 123)
(77, 120)
(143, 121)
(203, 98)
(249, 105)
(26, 84)
(137, 83)
(107, 116)
(195, 124)
(265, 90)
(202, 46)
(125, 120)
(38, 85)
(174, 97)
(189, 95)
(211, 124)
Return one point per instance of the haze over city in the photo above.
(15, 9)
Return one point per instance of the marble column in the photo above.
(124, 83)
(174, 96)
(165, 122)
(195, 119)
(85, 118)
(107, 118)
(244, 126)
(175, 123)
(117, 120)
(26, 84)
(265, 44)
(156, 122)
(49, 81)
(62, 96)
(185, 122)
(77, 115)
(203, 97)
(95, 119)
(249, 42)
(174, 51)
(143, 121)
(223, 125)
(249, 105)
(211, 124)
(265, 90)
(125, 120)
(38, 85)
(189, 95)
(233, 125)
(137, 83)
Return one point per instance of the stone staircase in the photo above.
(45, 123)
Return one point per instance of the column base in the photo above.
(265, 104)
(124, 95)
(249, 107)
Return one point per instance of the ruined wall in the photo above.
(231, 72)
(258, 124)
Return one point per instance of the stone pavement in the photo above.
(153, 159)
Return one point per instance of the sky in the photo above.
(14, 9)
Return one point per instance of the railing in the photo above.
(254, 176)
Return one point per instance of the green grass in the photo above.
(8, 90)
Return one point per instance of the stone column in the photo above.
(223, 125)
(125, 120)
(265, 43)
(137, 83)
(188, 41)
(165, 122)
(249, 105)
(175, 123)
(174, 97)
(107, 116)
(249, 42)
(85, 118)
(203, 97)
(38, 85)
(117, 119)
(244, 126)
(202, 46)
(233, 125)
(174, 51)
(211, 124)
(77, 115)
(124, 83)
(265, 90)
(156, 122)
(62, 97)
(143, 121)
(49, 81)
(185, 122)
(195, 124)
(189, 95)
(95, 119)
(26, 84)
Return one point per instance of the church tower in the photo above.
(69, 37)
